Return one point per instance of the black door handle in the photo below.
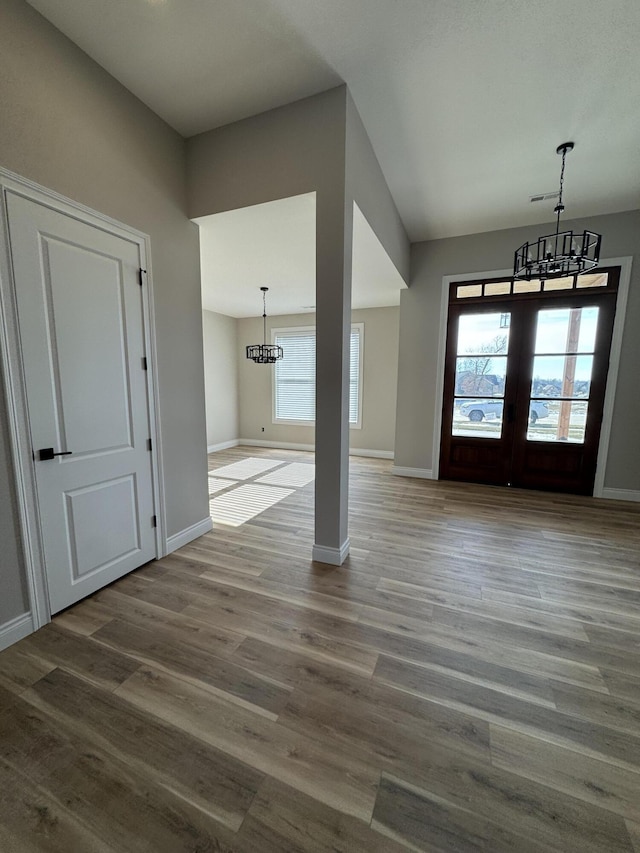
(47, 453)
(511, 413)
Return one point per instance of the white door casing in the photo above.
(81, 325)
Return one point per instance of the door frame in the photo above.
(15, 388)
(625, 264)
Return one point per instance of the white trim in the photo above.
(371, 454)
(15, 389)
(279, 445)
(16, 629)
(421, 473)
(212, 448)
(614, 366)
(189, 534)
(612, 377)
(331, 556)
(621, 495)
(289, 445)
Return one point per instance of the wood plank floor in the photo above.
(468, 681)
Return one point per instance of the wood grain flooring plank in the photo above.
(523, 616)
(167, 623)
(617, 747)
(283, 820)
(121, 807)
(19, 670)
(193, 663)
(207, 778)
(588, 615)
(53, 645)
(33, 821)
(634, 834)
(598, 708)
(597, 782)
(321, 646)
(337, 780)
(432, 824)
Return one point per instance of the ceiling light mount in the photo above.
(264, 353)
(563, 253)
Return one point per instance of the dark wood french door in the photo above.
(525, 378)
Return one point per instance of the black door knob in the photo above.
(47, 453)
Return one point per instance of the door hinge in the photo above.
(154, 520)
(141, 273)
(144, 362)
(149, 445)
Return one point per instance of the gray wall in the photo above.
(419, 331)
(70, 126)
(220, 376)
(366, 184)
(380, 371)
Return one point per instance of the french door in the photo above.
(525, 379)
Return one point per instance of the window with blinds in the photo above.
(295, 376)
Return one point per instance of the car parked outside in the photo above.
(478, 410)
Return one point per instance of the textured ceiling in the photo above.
(465, 101)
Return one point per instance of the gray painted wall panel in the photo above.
(70, 126)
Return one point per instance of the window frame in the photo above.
(297, 330)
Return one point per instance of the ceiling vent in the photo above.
(543, 197)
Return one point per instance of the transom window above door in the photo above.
(513, 287)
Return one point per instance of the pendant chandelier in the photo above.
(264, 353)
(561, 254)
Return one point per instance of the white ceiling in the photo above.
(464, 101)
(273, 245)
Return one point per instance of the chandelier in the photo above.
(561, 254)
(264, 353)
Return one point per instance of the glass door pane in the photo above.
(562, 370)
(480, 374)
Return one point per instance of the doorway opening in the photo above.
(525, 378)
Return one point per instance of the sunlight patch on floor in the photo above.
(217, 484)
(244, 503)
(246, 468)
(295, 474)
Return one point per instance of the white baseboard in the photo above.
(622, 495)
(188, 534)
(279, 445)
(332, 556)
(16, 629)
(421, 473)
(288, 445)
(212, 448)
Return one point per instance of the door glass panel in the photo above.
(598, 279)
(558, 283)
(526, 286)
(466, 290)
(562, 369)
(562, 376)
(481, 371)
(561, 330)
(497, 288)
(565, 420)
(477, 417)
(483, 334)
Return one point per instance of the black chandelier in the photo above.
(264, 353)
(561, 254)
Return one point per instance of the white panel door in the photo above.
(80, 313)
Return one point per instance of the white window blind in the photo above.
(295, 375)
